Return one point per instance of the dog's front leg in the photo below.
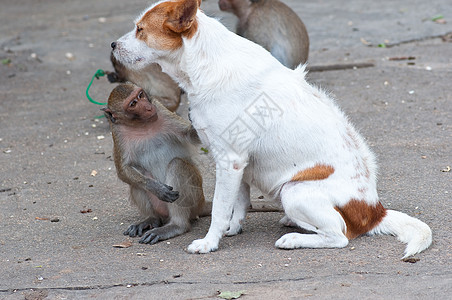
(228, 181)
(239, 211)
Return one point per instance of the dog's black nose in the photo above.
(113, 45)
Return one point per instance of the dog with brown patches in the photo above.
(265, 125)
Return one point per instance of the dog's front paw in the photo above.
(202, 246)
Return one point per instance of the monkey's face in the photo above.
(129, 105)
(138, 108)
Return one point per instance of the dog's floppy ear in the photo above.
(183, 15)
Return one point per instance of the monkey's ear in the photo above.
(182, 17)
(108, 114)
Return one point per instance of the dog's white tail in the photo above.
(415, 233)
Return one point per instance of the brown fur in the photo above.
(152, 153)
(361, 217)
(176, 21)
(318, 172)
(273, 25)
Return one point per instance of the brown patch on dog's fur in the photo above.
(360, 217)
(163, 26)
(318, 172)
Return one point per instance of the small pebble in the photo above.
(70, 56)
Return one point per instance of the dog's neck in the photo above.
(206, 64)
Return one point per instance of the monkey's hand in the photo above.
(113, 77)
(162, 191)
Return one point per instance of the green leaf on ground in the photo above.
(231, 295)
(438, 17)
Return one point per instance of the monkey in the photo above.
(274, 26)
(277, 28)
(152, 151)
(151, 79)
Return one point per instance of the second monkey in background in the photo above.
(274, 26)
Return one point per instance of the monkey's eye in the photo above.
(139, 29)
(133, 103)
(140, 95)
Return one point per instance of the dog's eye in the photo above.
(139, 29)
(133, 103)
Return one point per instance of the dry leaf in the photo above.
(403, 58)
(365, 42)
(93, 173)
(42, 219)
(125, 244)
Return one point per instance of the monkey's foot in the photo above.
(150, 238)
(163, 233)
(140, 228)
(202, 246)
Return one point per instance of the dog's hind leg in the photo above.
(306, 203)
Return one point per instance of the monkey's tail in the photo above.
(255, 206)
(411, 231)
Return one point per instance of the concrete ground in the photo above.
(50, 142)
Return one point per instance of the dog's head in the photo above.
(158, 31)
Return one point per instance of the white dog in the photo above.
(266, 126)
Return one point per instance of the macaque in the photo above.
(151, 79)
(274, 26)
(153, 150)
